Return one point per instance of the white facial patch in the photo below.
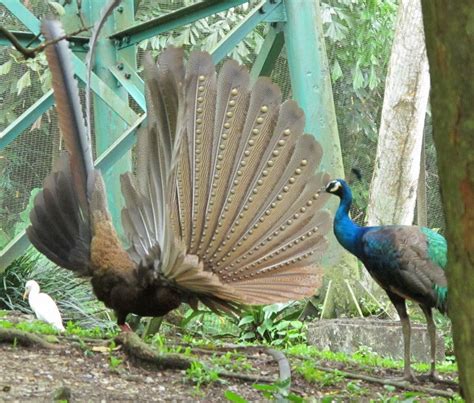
(334, 186)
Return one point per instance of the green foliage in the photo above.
(311, 374)
(36, 327)
(114, 362)
(234, 397)
(277, 391)
(204, 34)
(407, 397)
(363, 357)
(199, 374)
(232, 361)
(72, 329)
(159, 341)
(272, 324)
(359, 35)
(206, 322)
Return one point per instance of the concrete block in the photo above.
(383, 337)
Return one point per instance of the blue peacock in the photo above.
(406, 261)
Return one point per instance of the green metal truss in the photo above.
(294, 23)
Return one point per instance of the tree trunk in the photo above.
(394, 184)
(450, 44)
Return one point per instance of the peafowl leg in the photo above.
(405, 321)
(432, 334)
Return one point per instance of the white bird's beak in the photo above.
(25, 294)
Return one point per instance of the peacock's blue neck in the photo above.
(347, 232)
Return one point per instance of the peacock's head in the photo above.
(337, 187)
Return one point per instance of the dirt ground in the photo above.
(88, 371)
(31, 374)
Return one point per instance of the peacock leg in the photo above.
(432, 334)
(405, 321)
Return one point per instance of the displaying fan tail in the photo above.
(225, 206)
(232, 168)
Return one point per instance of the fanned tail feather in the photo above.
(229, 165)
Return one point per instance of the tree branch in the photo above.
(30, 53)
(25, 339)
(381, 381)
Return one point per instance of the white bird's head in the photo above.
(31, 286)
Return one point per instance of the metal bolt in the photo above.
(127, 76)
(120, 66)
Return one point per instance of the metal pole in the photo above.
(311, 87)
(107, 125)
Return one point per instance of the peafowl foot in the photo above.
(408, 376)
(125, 328)
(434, 377)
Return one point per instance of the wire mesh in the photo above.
(29, 158)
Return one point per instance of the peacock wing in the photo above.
(403, 255)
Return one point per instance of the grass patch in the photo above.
(365, 358)
(39, 327)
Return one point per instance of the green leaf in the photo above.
(5, 68)
(296, 324)
(23, 82)
(336, 71)
(234, 397)
(267, 388)
(248, 335)
(373, 80)
(336, 31)
(57, 7)
(245, 320)
(357, 78)
(284, 324)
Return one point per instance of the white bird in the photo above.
(43, 305)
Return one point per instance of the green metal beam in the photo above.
(119, 147)
(311, 88)
(243, 28)
(131, 81)
(26, 119)
(310, 78)
(107, 125)
(269, 52)
(116, 103)
(13, 250)
(186, 15)
(23, 14)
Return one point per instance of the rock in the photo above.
(379, 336)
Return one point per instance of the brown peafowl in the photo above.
(406, 261)
(225, 207)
